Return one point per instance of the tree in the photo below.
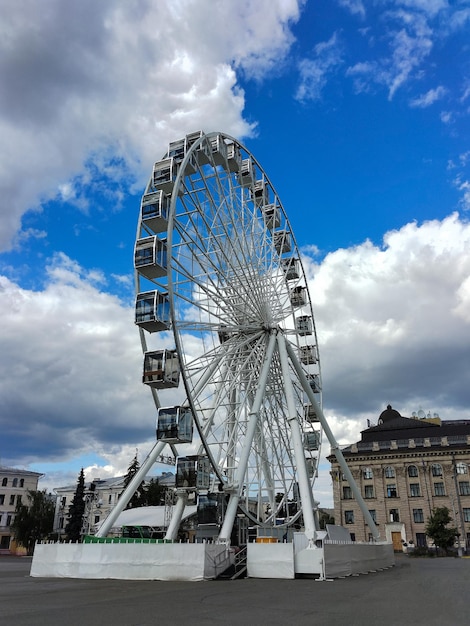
(154, 494)
(138, 498)
(34, 520)
(436, 528)
(73, 529)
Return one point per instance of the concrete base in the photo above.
(132, 561)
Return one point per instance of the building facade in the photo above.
(14, 485)
(404, 468)
(101, 495)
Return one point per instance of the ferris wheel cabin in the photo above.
(175, 424)
(154, 211)
(150, 257)
(193, 472)
(161, 369)
(152, 311)
(290, 268)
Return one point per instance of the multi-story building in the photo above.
(101, 496)
(404, 468)
(14, 485)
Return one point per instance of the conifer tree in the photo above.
(73, 529)
(138, 498)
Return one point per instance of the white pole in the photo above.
(232, 506)
(130, 490)
(305, 489)
(172, 530)
(333, 443)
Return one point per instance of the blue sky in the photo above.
(358, 111)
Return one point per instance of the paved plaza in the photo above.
(416, 591)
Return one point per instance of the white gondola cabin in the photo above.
(308, 355)
(175, 424)
(310, 415)
(282, 241)
(272, 216)
(152, 311)
(314, 382)
(290, 267)
(193, 472)
(234, 158)
(260, 193)
(311, 440)
(304, 325)
(150, 257)
(164, 174)
(219, 150)
(161, 369)
(311, 467)
(202, 153)
(298, 296)
(246, 175)
(154, 211)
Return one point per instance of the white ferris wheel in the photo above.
(219, 279)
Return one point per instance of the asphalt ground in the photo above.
(416, 591)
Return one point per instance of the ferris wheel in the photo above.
(220, 277)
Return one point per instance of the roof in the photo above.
(147, 516)
(18, 472)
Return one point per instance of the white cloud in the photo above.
(393, 325)
(356, 7)
(84, 80)
(428, 98)
(393, 322)
(314, 73)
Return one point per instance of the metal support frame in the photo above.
(333, 443)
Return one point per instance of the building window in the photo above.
(63, 501)
(97, 519)
(2, 498)
(436, 469)
(439, 489)
(373, 515)
(347, 493)
(464, 488)
(389, 472)
(466, 514)
(421, 540)
(349, 517)
(14, 483)
(4, 482)
(110, 498)
(353, 536)
(21, 482)
(368, 491)
(392, 491)
(18, 499)
(415, 490)
(367, 473)
(8, 520)
(12, 499)
(418, 516)
(61, 522)
(394, 515)
(412, 471)
(461, 468)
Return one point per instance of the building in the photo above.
(14, 485)
(101, 496)
(404, 468)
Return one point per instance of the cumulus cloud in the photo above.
(82, 81)
(314, 72)
(393, 322)
(70, 368)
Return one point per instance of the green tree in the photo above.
(437, 528)
(34, 520)
(73, 529)
(138, 498)
(154, 494)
